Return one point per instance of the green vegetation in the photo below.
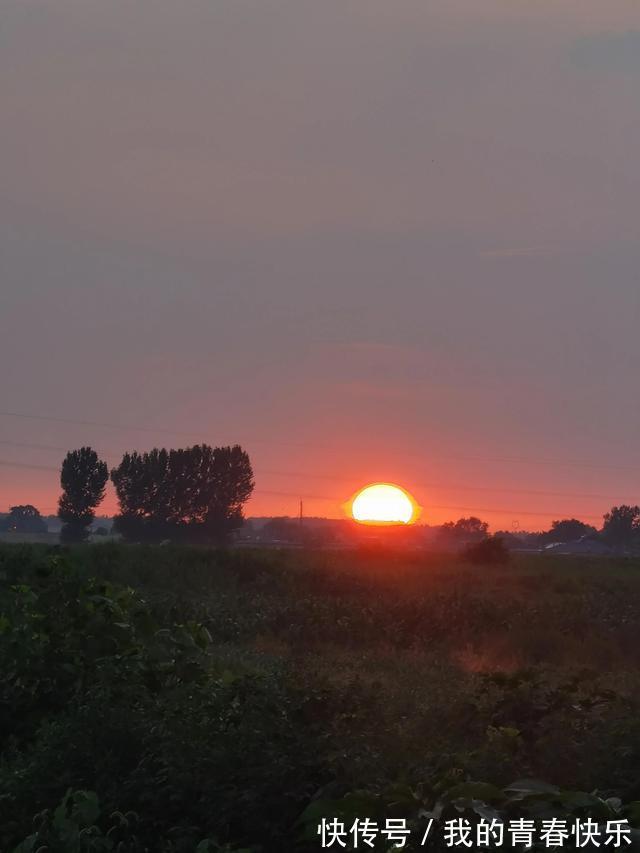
(183, 699)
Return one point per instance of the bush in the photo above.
(489, 552)
(230, 692)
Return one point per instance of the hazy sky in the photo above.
(368, 239)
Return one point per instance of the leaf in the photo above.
(355, 805)
(26, 846)
(86, 807)
(531, 786)
(207, 845)
(485, 812)
(574, 800)
(475, 791)
(632, 812)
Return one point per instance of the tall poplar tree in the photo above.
(83, 479)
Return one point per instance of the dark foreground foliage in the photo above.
(489, 552)
(174, 699)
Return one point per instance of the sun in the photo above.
(383, 503)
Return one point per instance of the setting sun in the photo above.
(383, 503)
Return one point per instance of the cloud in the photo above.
(609, 51)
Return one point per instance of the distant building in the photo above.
(589, 545)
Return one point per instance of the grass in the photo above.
(323, 671)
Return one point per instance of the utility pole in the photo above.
(300, 516)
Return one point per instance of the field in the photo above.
(174, 699)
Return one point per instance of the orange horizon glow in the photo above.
(383, 503)
(42, 489)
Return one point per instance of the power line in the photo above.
(29, 446)
(138, 428)
(455, 487)
(313, 476)
(334, 500)
(564, 462)
(457, 508)
(71, 422)
(152, 430)
(52, 448)
(7, 464)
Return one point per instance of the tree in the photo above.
(465, 530)
(83, 479)
(192, 494)
(567, 530)
(227, 483)
(24, 519)
(490, 552)
(622, 525)
(142, 485)
(511, 539)
(281, 528)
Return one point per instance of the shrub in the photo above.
(489, 552)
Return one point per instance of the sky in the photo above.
(368, 240)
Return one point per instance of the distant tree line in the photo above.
(197, 494)
(622, 526)
(469, 530)
(620, 530)
(193, 494)
(568, 530)
(23, 519)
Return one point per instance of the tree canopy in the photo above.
(190, 494)
(83, 479)
(471, 529)
(622, 525)
(568, 530)
(23, 519)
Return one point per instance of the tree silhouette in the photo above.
(622, 525)
(567, 530)
(491, 551)
(470, 529)
(223, 484)
(24, 519)
(142, 486)
(191, 494)
(83, 479)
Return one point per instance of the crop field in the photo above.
(183, 699)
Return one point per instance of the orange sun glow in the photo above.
(383, 503)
